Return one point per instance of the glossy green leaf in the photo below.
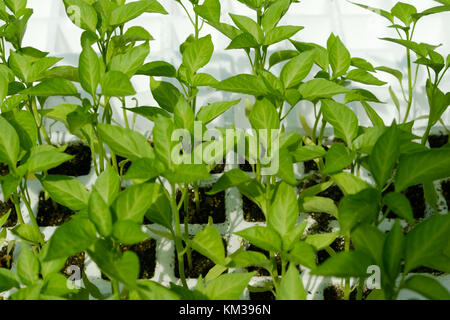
(320, 88)
(67, 191)
(400, 205)
(209, 243)
(343, 120)
(291, 286)
(262, 237)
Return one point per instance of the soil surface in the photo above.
(262, 296)
(4, 170)
(210, 206)
(437, 141)
(6, 259)
(51, 213)
(80, 165)
(336, 293)
(322, 224)
(310, 166)
(76, 260)
(200, 264)
(246, 167)
(4, 208)
(146, 251)
(252, 213)
(333, 192)
(219, 168)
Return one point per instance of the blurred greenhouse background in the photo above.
(51, 30)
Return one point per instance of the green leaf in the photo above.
(67, 191)
(320, 88)
(427, 240)
(8, 280)
(247, 25)
(381, 12)
(28, 233)
(117, 84)
(244, 83)
(345, 264)
(89, 70)
(262, 237)
(150, 113)
(27, 266)
(209, 10)
(303, 253)
(9, 143)
(125, 142)
(130, 61)
(128, 232)
(25, 126)
(428, 287)
(82, 14)
(228, 286)
(144, 169)
(16, 5)
(399, 204)
(187, 173)
(273, 14)
(132, 10)
(281, 33)
(338, 56)
(52, 87)
(376, 120)
(150, 290)
(384, 156)
(362, 64)
(393, 252)
(319, 204)
(45, 160)
(404, 12)
(284, 210)
(297, 69)
(422, 167)
(369, 239)
(245, 259)
(280, 56)
(160, 211)
(184, 116)
(230, 179)
(108, 185)
(208, 113)
(124, 268)
(321, 240)
(291, 286)
(358, 208)
(264, 116)
(165, 93)
(308, 153)
(343, 120)
(71, 238)
(391, 71)
(208, 242)
(338, 157)
(162, 136)
(99, 213)
(365, 77)
(350, 184)
(157, 69)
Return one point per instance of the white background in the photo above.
(51, 30)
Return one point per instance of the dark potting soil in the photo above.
(322, 222)
(310, 165)
(261, 272)
(337, 245)
(200, 264)
(219, 168)
(446, 191)
(146, 252)
(252, 213)
(246, 167)
(427, 270)
(4, 170)
(126, 164)
(262, 296)
(210, 206)
(336, 293)
(4, 208)
(76, 260)
(80, 165)
(51, 213)
(6, 258)
(333, 192)
(437, 141)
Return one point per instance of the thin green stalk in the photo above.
(178, 242)
(115, 289)
(16, 202)
(347, 280)
(197, 199)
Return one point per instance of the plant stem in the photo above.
(347, 280)
(178, 242)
